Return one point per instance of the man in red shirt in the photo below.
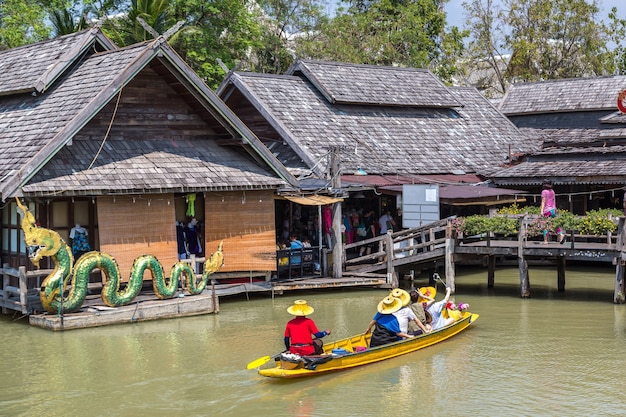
(300, 330)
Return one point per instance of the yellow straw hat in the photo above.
(427, 291)
(404, 296)
(300, 308)
(389, 305)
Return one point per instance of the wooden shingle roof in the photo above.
(568, 95)
(474, 137)
(374, 85)
(583, 135)
(36, 133)
(147, 166)
(34, 67)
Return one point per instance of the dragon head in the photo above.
(40, 242)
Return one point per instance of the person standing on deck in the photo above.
(548, 209)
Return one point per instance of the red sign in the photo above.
(620, 101)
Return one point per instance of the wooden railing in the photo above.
(406, 242)
(19, 289)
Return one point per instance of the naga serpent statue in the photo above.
(54, 294)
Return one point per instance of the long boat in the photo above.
(354, 351)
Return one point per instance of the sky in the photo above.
(456, 12)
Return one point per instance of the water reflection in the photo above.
(553, 354)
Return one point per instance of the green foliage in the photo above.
(22, 22)
(127, 30)
(595, 222)
(556, 39)
(617, 33)
(477, 224)
(383, 32)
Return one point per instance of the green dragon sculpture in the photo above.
(65, 288)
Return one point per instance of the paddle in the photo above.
(261, 361)
(438, 278)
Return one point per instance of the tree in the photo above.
(22, 22)
(551, 39)
(66, 21)
(486, 58)
(287, 20)
(389, 32)
(127, 30)
(228, 30)
(617, 32)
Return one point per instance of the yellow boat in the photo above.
(354, 351)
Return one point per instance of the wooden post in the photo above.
(5, 285)
(620, 262)
(491, 271)
(560, 264)
(392, 277)
(449, 260)
(23, 284)
(618, 296)
(521, 261)
(216, 306)
(335, 175)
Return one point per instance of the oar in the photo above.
(261, 361)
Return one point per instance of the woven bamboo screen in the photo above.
(245, 222)
(134, 226)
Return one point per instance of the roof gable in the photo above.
(36, 66)
(34, 128)
(375, 85)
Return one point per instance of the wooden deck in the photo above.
(411, 248)
(435, 244)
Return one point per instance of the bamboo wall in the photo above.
(245, 222)
(134, 226)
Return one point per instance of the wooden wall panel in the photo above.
(245, 222)
(134, 226)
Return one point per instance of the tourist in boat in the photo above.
(385, 324)
(422, 315)
(436, 311)
(406, 316)
(300, 330)
(548, 209)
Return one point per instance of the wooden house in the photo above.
(396, 125)
(583, 140)
(127, 142)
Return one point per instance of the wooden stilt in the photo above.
(491, 271)
(523, 264)
(560, 264)
(618, 295)
(523, 277)
(449, 260)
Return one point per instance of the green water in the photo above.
(554, 354)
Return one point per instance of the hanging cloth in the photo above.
(191, 207)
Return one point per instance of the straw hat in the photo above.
(404, 296)
(389, 305)
(300, 308)
(429, 292)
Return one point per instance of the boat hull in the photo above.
(357, 355)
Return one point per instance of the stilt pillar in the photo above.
(560, 264)
(491, 271)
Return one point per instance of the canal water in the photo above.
(555, 354)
